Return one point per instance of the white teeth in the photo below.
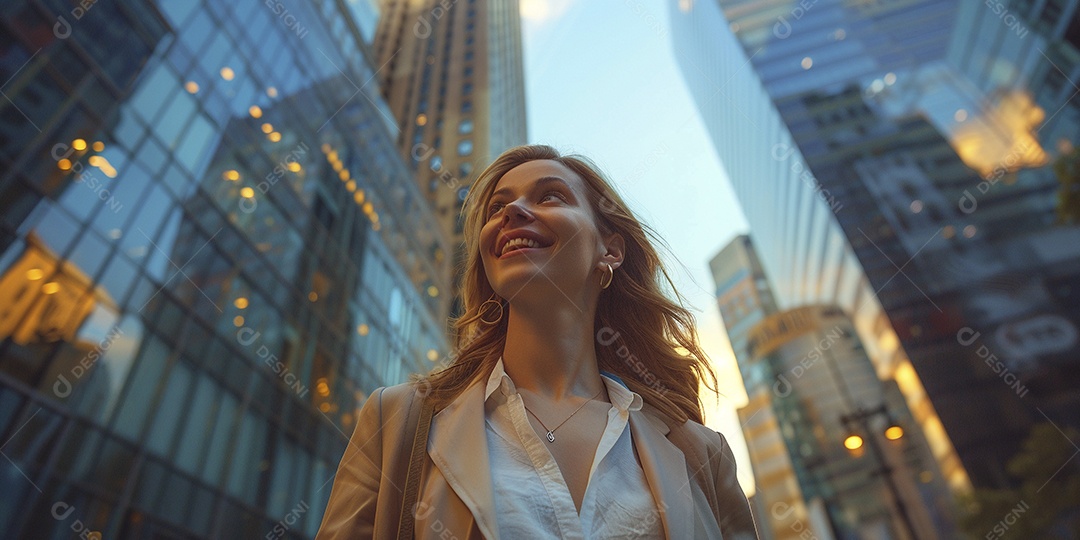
(514, 243)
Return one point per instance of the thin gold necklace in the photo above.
(551, 432)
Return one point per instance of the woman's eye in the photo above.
(495, 207)
(555, 193)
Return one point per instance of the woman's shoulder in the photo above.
(703, 439)
(383, 406)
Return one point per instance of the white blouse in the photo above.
(533, 501)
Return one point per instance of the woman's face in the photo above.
(540, 234)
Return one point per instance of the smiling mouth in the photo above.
(521, 245)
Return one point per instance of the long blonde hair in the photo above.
(638, 327)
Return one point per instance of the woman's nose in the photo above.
(514, 212)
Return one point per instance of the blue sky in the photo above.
(601, 80)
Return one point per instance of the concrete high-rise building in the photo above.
(930, 150)
(210, 254)
(452, 74)
(790, 362)
(745, 299)
(848, 435)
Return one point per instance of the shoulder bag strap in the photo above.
(407, 523)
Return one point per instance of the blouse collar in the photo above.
(621, 396)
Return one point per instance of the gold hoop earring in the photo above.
(498, 305)
(610, 276)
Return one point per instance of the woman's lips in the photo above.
(519, 250)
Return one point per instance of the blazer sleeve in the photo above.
(350, 512)
(736, 521)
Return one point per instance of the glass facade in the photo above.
(210, 253)
(793, 222)
(941, 145)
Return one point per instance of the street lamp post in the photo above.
(860, 419)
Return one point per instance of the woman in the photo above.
(567, 410)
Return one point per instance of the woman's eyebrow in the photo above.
(540, 182)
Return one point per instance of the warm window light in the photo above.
(64, 164)
(807, 62)
(432, 355)
(98, 146)
(104, 165)
(272, 92)
(238, 320)
(362, 329)
(332, 156)
(853, 442)
(969, 231)
(34, 274)
(294, 166)
(274, 137)
(50, 288)
(359, 197)
(267, 128)
(890, 78)
(240, 303)
(78, 144)
(894, 432)
(433, 291)
(227, 73)
(351, 186)
(326, 148)
(343, 174)
(421, 119)
(231, 175)
(255, 111)
(368, 208)
(247, 193)
(191, 86)
(313, 296)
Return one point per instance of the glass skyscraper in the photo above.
(210, 253)
(910, 180)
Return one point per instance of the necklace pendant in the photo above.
(550, 437)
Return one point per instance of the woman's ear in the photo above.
(616, 248)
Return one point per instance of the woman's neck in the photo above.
(552, 353)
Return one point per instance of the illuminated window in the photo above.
(465, 147)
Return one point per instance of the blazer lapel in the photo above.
(458, 447)
(665, 470)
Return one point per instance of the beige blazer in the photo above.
(689, 468)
